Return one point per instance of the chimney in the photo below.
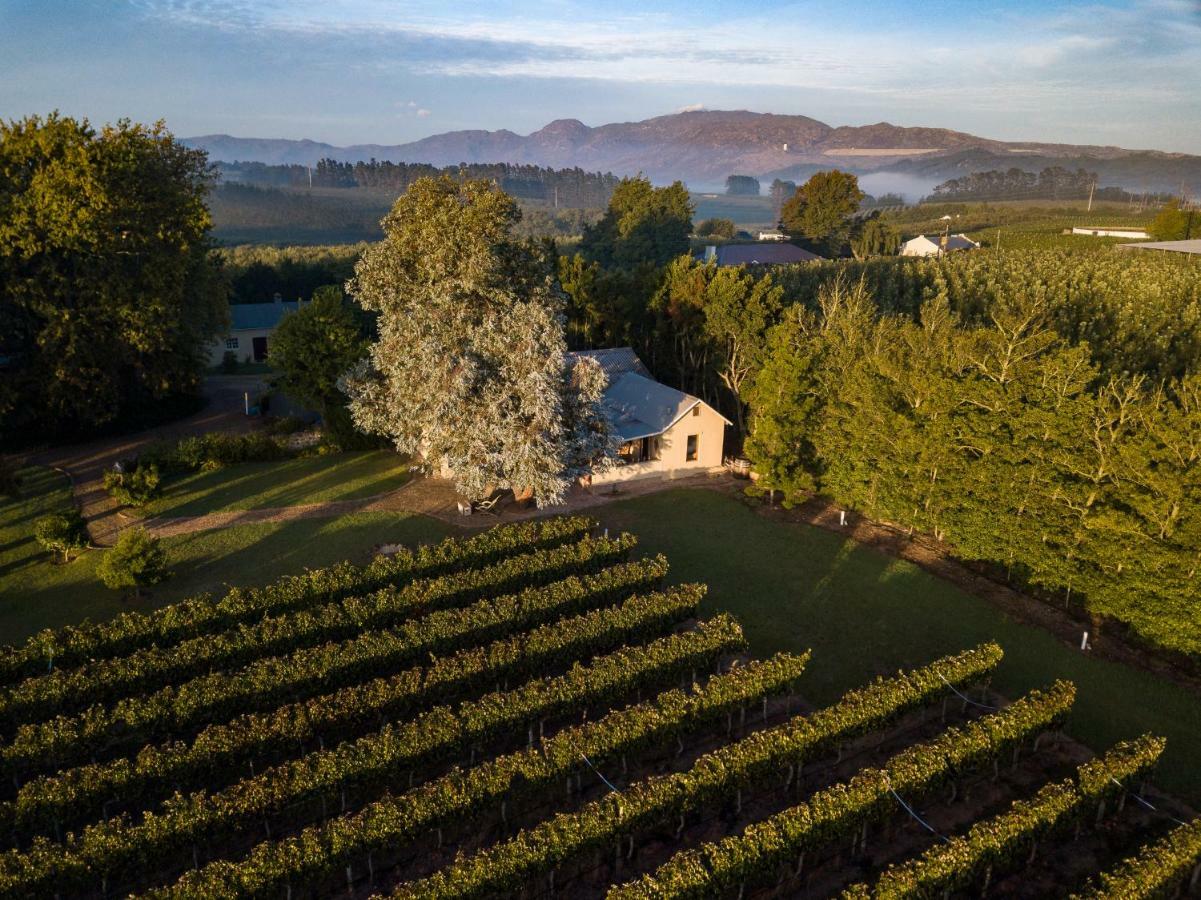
(711, 253)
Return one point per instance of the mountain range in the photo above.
(702, 147)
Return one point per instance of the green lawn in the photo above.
(795, 587)
(344, 476)
(36, 593)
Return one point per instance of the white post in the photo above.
(842, 517)
(1084, 641)
(246, 401)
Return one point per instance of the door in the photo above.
(260, 348)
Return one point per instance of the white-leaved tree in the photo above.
(469, 367)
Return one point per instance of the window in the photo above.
(690, 451)
(696, 410)
(231, 343)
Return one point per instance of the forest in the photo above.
(1052, 183)
(557, 187)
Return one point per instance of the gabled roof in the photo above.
(764, 253)
(258, 316)
(614, 361)
(636, 405)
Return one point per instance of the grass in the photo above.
(792, 586)
(795, 587)
(36, 593)
(317, 479)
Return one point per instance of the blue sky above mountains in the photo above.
(353, 71)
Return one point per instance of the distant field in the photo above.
(746, 212)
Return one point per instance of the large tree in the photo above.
(107, 293)
(469, 367)
(819, 213)
(1174, 223)
(644, 225)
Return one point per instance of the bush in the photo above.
(215, 450)
(136, 561)
(63, 533)
(135, 488)
(229, 362)
(286, 425)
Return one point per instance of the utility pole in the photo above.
(1092, 188)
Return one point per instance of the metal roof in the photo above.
(636, 405)
(614, 361)
(1192, 246)
(765, 253)
(259, 316)
(639, 407)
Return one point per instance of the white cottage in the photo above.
(664, 432)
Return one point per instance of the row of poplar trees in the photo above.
(998, 435)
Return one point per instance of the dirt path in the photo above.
(85, 464)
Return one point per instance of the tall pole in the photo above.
(1091, 188)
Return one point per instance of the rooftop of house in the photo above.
(637, 406)
(764, 253)
(259, 316)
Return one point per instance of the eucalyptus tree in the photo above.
(469, 367)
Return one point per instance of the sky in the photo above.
(1121, 72)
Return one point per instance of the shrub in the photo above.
(63, 533)
(134, 488)
(229, 362)
(136, 561)
(286, 425)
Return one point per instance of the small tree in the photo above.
(718, 228)
(875, 238)
(136, 488)
(315, 346)
(1172, 223)
(63, 533)
(136, 561)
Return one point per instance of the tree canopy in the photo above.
(742, 185)
(1175, 224)
(644, 225)
(718, 228)
(107, 292)
(820, 211)
(469, 367)
(314, 347)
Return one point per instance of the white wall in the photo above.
(245, 349)
(710, 429)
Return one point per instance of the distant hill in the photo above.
(702, 147)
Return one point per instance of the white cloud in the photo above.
(422, 113)
(691, 107)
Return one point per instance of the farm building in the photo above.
(765, 253)
(925, 245)
(1191, 247)
(1131, 234)
(664, 433)
(251, 325)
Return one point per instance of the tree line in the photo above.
(557, 187)
(1052, 183)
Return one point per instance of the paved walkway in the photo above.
(85, 464)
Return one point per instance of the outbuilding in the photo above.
(926, 245)
(664, 433)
